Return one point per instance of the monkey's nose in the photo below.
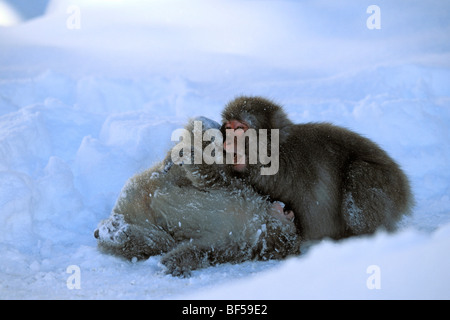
(96, 234)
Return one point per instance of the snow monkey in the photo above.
(171, 209)
(337, 182)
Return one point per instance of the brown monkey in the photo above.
(170, 209)
(337, 182)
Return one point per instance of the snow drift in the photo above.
(84, 107)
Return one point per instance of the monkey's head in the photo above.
(254, 112)
(244, 113)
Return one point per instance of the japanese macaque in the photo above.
(337, 183)
(194, 221)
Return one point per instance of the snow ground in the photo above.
(85, 104)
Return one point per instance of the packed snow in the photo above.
(91, 91)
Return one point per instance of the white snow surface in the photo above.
(86, 101)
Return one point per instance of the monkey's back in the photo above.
(338, 182)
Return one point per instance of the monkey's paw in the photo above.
(184, 258)
(173, 266)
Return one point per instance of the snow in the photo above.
(85, 104)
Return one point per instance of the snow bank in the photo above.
(83, 109)
(407, 265)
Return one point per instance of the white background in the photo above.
(86, 101)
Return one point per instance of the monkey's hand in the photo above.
(279, 211)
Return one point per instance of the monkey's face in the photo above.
(234, 131)
(256, 124)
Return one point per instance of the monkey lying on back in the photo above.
(170, 210)
(337, 182)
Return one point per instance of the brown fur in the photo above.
(337, 182)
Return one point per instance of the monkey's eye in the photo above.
(228, 128)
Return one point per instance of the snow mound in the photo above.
(84, 108)
(378, 267)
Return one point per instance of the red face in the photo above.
(239, 128)
(236, 124)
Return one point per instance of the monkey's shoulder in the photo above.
(309, 137)
(327, 134)
(320, 129)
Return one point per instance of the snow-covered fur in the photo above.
(168, 210)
